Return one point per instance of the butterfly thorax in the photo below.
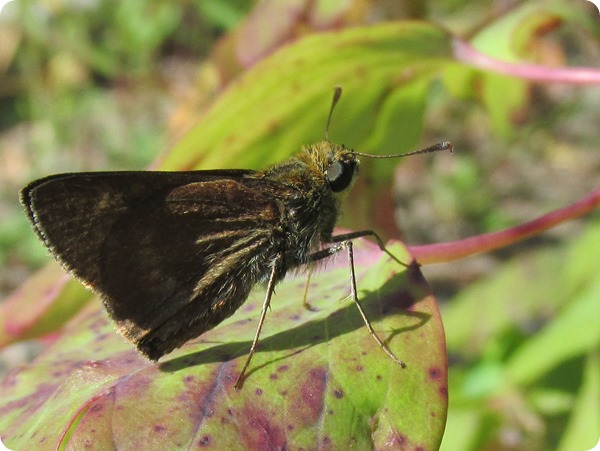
(318, 176)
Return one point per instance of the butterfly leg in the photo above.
(305, 302)
(364, 233)
(346, 243)
(263, 314)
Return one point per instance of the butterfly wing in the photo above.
(171, 253)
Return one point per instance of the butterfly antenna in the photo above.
(445, 145)
(337, 93)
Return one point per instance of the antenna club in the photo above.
(446, 145)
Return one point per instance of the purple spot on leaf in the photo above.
(396, 441)
(261, 433)
(96, 408)
(259, 391)
(312, 392)
(204, 441)
(283, 368)
(102, 337)
(435, 373)
(338, 393)
(318, 373)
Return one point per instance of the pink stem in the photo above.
(454, 250)
(469, 55)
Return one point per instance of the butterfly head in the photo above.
(337, 164)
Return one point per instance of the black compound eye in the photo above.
(339, 175)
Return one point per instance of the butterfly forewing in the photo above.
(172, 254)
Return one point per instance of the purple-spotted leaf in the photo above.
(318, 378)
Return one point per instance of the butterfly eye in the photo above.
(339, 175)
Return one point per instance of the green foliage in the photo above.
(549, 377)
(294, 88)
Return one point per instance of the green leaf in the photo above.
(41, 305)
(521, 338)
(400, 120)
(562, 339)
(282, 103)
(223, 14)
(503, 96)
(583, 429)
(318, 378)
(489, 308)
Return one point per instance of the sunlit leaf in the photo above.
(317, 378)
(282, 103)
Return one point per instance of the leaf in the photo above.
(503, 96)
(487, 308)
(492, 330)
(520, 293)
(583, 429)
(282, 103)
(532, 359)
(42, 304)
(317, 378)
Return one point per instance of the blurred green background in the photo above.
(108, 85)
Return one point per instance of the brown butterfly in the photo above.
(173, 254)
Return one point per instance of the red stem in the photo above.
(454, 250)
